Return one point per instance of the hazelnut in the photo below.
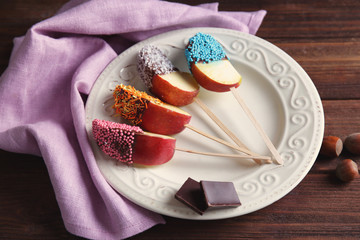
(347, 170)
(352, 143)
(331, 146)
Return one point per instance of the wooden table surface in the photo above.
(323, 36)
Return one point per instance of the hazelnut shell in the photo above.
(331, 146)
(347, 170)
(352, 143)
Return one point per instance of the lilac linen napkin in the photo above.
(50, 71)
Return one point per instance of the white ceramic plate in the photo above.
(278, 91)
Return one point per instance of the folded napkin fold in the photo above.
(42, 92)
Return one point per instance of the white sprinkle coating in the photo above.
(150, 62)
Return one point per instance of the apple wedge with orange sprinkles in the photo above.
(148, 112)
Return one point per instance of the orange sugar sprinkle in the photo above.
(131, 103)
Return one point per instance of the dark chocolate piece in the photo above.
(192, 195)
(220, 194)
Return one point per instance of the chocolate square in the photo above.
(192, 195)
(220, 194)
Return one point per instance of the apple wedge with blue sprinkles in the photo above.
(213, 71)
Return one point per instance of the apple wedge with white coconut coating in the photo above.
(163, 79)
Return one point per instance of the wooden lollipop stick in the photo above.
(266, 139)
(266, 158)
(225, 129)
(219, 140)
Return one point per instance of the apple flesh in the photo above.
(217, 76)
(164, 119)
(176, 88)
(153, 149)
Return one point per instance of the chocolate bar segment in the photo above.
(220, 194)
(191, 195)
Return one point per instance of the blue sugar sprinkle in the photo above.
(203, 47)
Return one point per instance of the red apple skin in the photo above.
(162, 120)
(209, 83)
(171, 94)
(151, 150)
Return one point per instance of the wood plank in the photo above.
(342, 117)
(28, 208)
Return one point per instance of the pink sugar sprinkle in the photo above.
(115, 139)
